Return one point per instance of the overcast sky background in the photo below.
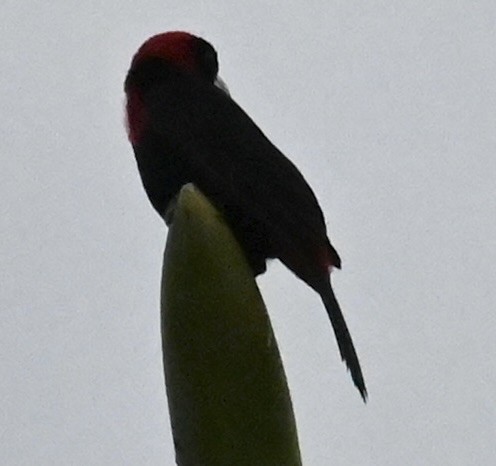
(389, 110)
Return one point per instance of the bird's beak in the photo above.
(219, 82)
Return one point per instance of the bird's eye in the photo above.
(207, 58)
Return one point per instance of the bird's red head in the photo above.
(176, 50)
(176, 47)
(181, 51)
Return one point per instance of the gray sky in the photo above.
(388, 110)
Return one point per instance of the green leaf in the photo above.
(228, 397)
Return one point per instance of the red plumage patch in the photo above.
(329, 258)
(137, 117)
(175, 46)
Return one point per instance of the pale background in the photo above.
(389, 110)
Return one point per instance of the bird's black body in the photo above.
(188, 130)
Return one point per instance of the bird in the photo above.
(185, 127)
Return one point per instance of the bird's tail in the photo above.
(343, 337)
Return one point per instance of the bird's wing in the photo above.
(231, 160)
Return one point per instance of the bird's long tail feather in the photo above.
(343, 337)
